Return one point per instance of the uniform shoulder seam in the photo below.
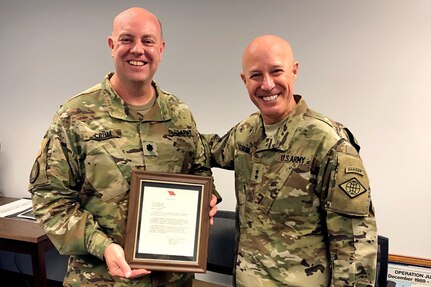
(93, 89)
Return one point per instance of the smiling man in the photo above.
(269, 72)
(80, 181)
(304, 210)
(137, 47)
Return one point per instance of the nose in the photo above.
(137, 48)
(268, 83)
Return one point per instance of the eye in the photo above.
(255, 76)
(149, 42)
(125, 40)
(277, 72)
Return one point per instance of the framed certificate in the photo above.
(168, 221)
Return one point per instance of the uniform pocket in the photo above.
(169, 154)
(349, 191)
(240, 207)
(290, 196)
(102, 171)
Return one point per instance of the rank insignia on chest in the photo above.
(257, 173)
(149, 148)
(353, 187)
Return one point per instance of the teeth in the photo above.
(270, 98)
(136, 63)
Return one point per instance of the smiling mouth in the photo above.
(270, 98)
(137, 63)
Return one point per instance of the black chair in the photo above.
(382, 261)
(221, 245)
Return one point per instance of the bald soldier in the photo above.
(80, 181)
(304, 211)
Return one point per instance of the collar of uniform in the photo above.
(113, 103)
(160, 111)
(116, 107)
(280, 140)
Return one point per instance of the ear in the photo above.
(162, 49)
(295, 69)
(111, 44)
(243, 78)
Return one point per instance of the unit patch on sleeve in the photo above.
(354, 169)
(353, 187)
(349, 187)
(34, 172)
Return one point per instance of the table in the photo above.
(25, 236)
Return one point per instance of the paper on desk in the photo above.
(14, 207)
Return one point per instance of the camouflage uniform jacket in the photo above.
(305, 216)
(80, 179)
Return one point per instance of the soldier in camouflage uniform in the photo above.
(80, 179)
(304, 212)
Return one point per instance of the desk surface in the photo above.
(20, 229)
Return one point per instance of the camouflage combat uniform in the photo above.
(80, 179)
(305, 216)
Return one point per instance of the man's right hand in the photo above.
(117, 265)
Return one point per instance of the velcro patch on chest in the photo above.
(288, 158)
(106, 134)
(180, 132)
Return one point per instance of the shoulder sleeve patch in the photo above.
(349, 192)
(353, 187)
(38, 172)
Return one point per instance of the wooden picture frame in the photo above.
(168, 222)
(408, 260)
